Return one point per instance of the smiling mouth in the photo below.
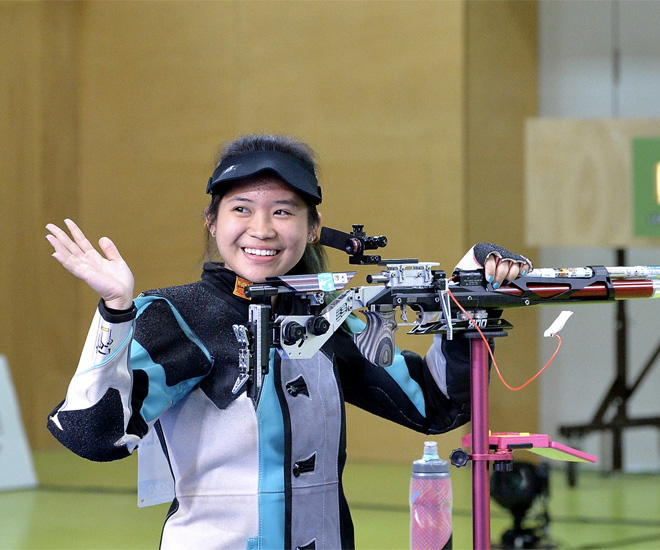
(260, 252)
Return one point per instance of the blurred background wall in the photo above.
(112, 113)
(599, 61)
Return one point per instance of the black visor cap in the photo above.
(288, 168)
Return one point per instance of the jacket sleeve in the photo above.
(429, 395)
(133, 367)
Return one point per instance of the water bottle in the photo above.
(430, 501)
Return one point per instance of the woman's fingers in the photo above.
(59, 239)
(110, 250)
(106, 273)
(78, 255)
(79, 236)
(500, 271)
(65, 248)
(509, 270)
(66, 251)
(60, 249)
(490, 268)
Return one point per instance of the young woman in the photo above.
(248, 473)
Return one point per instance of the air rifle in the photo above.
(408, 284)
(454, 305)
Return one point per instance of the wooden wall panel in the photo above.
(158, 95)
(383, 109)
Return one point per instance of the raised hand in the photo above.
(107, 274)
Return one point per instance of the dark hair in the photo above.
(314, 259)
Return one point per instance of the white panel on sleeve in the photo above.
(104, 364)
(437, 364)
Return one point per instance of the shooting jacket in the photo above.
(246, 475)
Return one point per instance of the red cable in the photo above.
(490, 352)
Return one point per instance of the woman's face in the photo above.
(262, 228)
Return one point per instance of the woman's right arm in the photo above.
(137, 361)
(90, 420)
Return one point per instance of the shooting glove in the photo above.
(477, 255)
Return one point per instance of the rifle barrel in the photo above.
(629, 272)
(624, 289)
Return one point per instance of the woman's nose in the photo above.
(262, 227)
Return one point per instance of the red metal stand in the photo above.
(487, 447)
(480, 445)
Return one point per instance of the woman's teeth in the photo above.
(258, 252)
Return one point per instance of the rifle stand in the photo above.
(483, 442)
(479, 440)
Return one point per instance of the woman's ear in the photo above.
(315, 231)
(209, 226)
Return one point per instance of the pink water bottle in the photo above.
(430, 501)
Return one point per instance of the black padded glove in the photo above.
(477, 255)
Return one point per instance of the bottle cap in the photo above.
(430, 450)
(430, 463)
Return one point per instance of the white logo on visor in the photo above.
(230, 169)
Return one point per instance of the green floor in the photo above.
(82, 505)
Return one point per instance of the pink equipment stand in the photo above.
(502, 445)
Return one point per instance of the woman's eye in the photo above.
(282, 212)
(240, 209)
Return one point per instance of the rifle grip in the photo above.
(376, 341)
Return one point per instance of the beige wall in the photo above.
(114, 112)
